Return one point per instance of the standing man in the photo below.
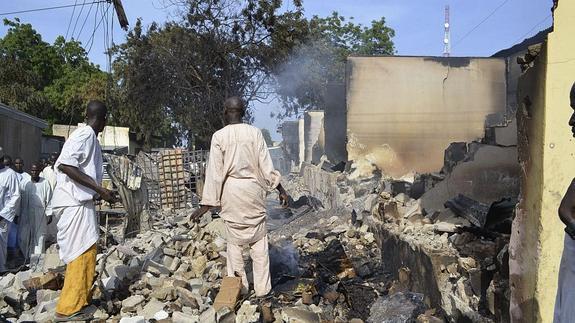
(565, 300)
(48, 171)
(9, 202)
(35, 198)
(19, 169)
(7, 160)
(239, 175)
(79, 177)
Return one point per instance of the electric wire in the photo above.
(47, 8)
(480, 23)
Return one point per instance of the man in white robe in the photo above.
(239, 175)
(9, 202)
(48, 172)
(79, 181)
(33, 220)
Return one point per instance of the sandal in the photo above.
(78, 316)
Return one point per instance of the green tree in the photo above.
(50, 81)
(183, 71)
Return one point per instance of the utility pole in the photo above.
(122, 19)
(447, 35)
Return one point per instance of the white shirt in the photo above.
(81, 150)
(73, 203)
(9, 193)
(49, 174)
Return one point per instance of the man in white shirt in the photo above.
(32, 225)
(9, 202)
(48, 172)
(78, 183)
(240, 172)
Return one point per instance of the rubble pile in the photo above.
(324, 268)
(451, 240)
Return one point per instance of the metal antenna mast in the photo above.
(447, 35)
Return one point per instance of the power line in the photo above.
(530, 30)
(48, 8)
(71, 18)
(78, 18)
(96, 28)
(481, 23)
(85, 20)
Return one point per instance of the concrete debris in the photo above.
(397, 308)
(366, 249)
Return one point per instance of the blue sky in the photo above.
(418, 25)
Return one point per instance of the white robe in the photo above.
(49, 174)
(78, 226)
(33, 221)
(9, 202)
(240, 172)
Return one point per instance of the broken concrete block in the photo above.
(130, 303)
(199, 265)
(225, 315)
(110, 283)
(46, 295)
(474, 211)
(149, 311)
(187, 298)
(50, 280)
(229, 293)
(133, 319)
(174, 265)
(179, 317)
(399, 307)
(208, 316)
(248, 313)
(156, 268)
(7, 281)
(52, 261)
(298, 315)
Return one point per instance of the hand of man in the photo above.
(284, 199)
(108, 196)
(199, 212)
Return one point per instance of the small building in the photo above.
(21, 134)
(117, 139)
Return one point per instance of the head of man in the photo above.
(19, 165)
(234, 110)
(43, 162)
(7, 161)
(572, 102)
(96, 114)
(53, 158)
(35, 170)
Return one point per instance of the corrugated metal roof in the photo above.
(21, 116)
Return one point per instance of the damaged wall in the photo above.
(335, 124)
(21, 134)
(313, 134)
(290, 140)
(546, 150)
(402, 112)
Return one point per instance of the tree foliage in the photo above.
(50, 81)
(169, 80)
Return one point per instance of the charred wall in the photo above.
(402, 112)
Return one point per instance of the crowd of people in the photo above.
(26, 221)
